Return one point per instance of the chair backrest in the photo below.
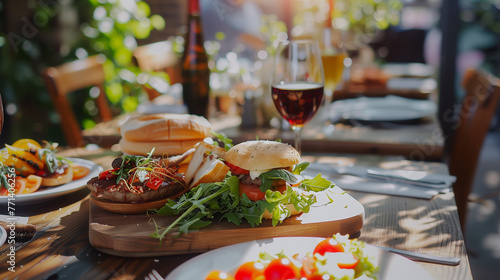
(477, 109)
(66, 78)
(158, 56)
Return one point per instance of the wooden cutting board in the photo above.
(128, 235)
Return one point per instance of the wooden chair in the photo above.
(477, 109)
(66, 78)
(158, 57)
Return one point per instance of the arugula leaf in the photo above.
(316, 184)
(300, 167)
(3, 178)
(276, 174)
(228, 143)
(276, 196)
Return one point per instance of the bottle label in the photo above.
(194, 7)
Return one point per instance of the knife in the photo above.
(426, 182)
(422, 257)
(419, 178)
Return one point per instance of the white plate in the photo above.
(229, 258)
(3, 236)
(49, 193)
(423, 85)
(151, 108)
(389, 108)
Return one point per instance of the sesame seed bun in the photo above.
(260, 155)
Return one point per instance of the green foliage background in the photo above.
(108, 27)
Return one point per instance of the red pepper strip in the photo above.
(108, 174)
(154, 183)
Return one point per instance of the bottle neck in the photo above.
(194, 7)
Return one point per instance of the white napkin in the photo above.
(16, 219)
(359, 182)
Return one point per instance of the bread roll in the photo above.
(165, 148)
(165, 127)
(261, 155)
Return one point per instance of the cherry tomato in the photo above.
(250, 271)
(236, 170)
(219, 275)
(79, 171)
(281, 269)
(328, 245)
(344, 260)
(308, 269)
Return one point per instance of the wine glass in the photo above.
(297, 83)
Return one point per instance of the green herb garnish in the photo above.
(228, 143)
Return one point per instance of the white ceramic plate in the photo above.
(229, 258)
(389, 108)
(49, 193)
(3, 236)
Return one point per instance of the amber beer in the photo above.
(195, 71)
(333, 67)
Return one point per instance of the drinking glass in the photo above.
(297, 83)
(332, 56)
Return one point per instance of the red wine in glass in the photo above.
(297, 102)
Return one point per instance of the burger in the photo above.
(251, 181)
(261, 166)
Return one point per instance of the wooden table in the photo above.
(420, 140)
(61, 249)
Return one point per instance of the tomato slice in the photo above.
(79, 171)
(236, 170)
(4, 191)
(343, 260)
(250, 271)
(281, 269)
(154, 183)
(252, 191)
(108, 174)
(218, 275)
(32, 184)
(328, 245)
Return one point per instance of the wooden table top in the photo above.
(419, 140)
(60, 249)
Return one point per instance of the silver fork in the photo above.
(154, 275)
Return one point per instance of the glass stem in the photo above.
(298, 144)
(328, 97)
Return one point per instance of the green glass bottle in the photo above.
(195, 71)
